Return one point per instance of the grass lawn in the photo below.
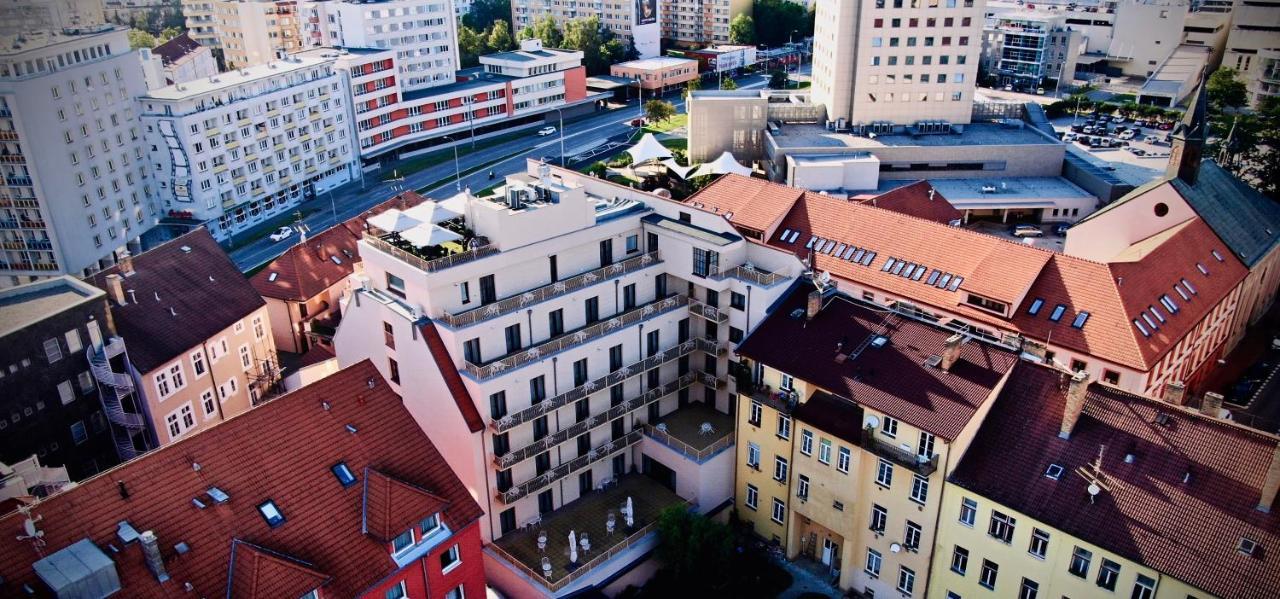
(676, 144)
(675, 122)
(488, 191)
(804, 84)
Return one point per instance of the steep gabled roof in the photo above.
(918, 199)
(392, 506)
(260, 572)
(746, 201)
(174, 49)
(1247, 221)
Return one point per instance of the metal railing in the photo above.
(116, 387)
(511, 458)
(436, 265)
(706, 311)
(603, 452)
(549, 291)
(902, 457)
(749, 274)
(566, 341)
(689, 451)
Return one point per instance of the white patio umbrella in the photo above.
(426, 235)
(648, 148)
(393, 220)
(432, 212)
(573, 547)
(631, 513)
(725, 164)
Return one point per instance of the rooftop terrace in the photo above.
(697, 430)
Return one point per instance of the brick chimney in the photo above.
(814, 305)
(151, 553)
(126, 263)
(1175, 393)
(1076, 393)
(1271, 483)
(951, 351)
(115, 288)
(1211, 406)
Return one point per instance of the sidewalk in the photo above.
(805, 582)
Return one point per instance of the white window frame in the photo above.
(781, 468)
(824, 451)
(873, 563)
(906, 580)
(259, 331)
(177, 419)
(752, 499)
(778, 506)
(884, 473)
(889, 427)
(802, 486)
(198, 366)
(413, 541)
(238, 327)
(919, 489)
(843, 458)
(246, 361)
(806, 442)
(457, 559)
(208, 404)
(753, 455)
(968, 512)
(73, 341)
(784, 426)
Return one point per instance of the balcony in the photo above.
(898, 455)
(557, 289)
(13, 159)
(586, 515)
(579, 337)
(696, 431)
(749, 274)
(600, 453)
(8, 135)
(511, 458)
(707, 311)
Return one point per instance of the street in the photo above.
(503, 159)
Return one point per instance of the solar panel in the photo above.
(888, 264)
(866, 261)
(809, 244)
(858, 255)
(933, 277)
(946, 278)
(849, 252)
(955, 283)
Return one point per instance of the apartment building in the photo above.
(850, 419)
(76, 190)
(233, 150)
(896, 61)
(1084, 490)
(423, 34)
(202, 26)
(700, 22)
(256, 32)
(49, 333)
(631, 20)
(349, 499)
(1030, 49)
(1253, 49)
(573, 353)
(201, 349)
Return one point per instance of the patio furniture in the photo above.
(610, 523)
(546, 568)
(585, 541)
(662, 427)
(542, 541)
(706, 429)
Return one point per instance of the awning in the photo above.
(648, 148)
(432, 212)
(680, 171)
(723, 165)
(429, 235)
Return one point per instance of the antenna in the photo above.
(1096, 477)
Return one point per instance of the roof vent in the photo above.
(182, 547)
(1186, 477)
(186, 249)
(933, 361)
(79, 570)
(797, 314)
(1129, 458)
(199, 504)
(218, 495)
(879, 341)
(126, 532)
(351, 429)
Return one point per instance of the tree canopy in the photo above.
(141, 39)
(1246, 143)
(659, 110)
(1226, 90)
(484, 13)
(545, 29)
(499, 37)
(780, 21)
(742, 29)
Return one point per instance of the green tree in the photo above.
(693, 85)
(585, 34)
(658, 110)
(170, 32)
(778, 80)
(742, 29)
(690, 545)
(141, 39)
(615, 51)
(728, 83)
(484, 12)
(1226, 90)
(499, 37)
(471, 45)
(545, 29)
(780, 21)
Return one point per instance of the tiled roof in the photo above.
(839, 417)
(752, 203)
(452, 380)
(258, 572)
(392, 506)
(914, 200)
(893, 379)
(186, 290)
(1247, 221)
(310, 267)
(282, 451)
(174, 49)
(1187, 530)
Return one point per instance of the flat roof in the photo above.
(1015, 188)
(658, 62)
(529, 55)
(1183, 65)
(230, 79)
(815, 135)
(26, 304)
(488, 79)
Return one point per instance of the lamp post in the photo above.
(457, 171)
(560, 115)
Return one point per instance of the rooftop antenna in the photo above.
(30, 532)
(1096, 477)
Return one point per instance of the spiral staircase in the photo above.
(119, 398)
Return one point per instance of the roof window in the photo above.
(1204, 271)
(1181, 292)
(272, 277)
(271, 513)
(1057, 313)
(1247, 546)
(1168, 304)
(888, 264)
(866, 260)
(1216, 255)
(1156, 313)
(920, 270)
(218, 495)
(344, 474)
(1187, 284)
(783, 236)
(794, 236)
(336, 260)
(1036, 304)
(809, 244)
(933, 277)
(857, 256)
(1147, 319)
(955, 283)
(946, 278)
(1054, 471)
(1081, 318)
(849, 252)
(1141, 329)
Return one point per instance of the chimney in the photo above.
(126, 264)
(814, 305)
(151, 553)
(115, 288)
(1211, 406)
(1076, 392)
(1175, 393)
(1270, 484)
(951, 351)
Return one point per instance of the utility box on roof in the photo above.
(79, 571)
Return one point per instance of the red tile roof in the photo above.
(1187, 530)
(282, 451)
(893, 379)
(915, 200)
(452, 380)
(310, 267)
(750, 202)
(392, 506)
(258, 572)
(1010, 272)
(183, 292)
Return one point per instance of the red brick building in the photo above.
(330, 491)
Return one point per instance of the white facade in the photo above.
(236, 149)
(1253, 48)
(76, 187)
(197, 64)
(423, 34)
(1026, 48)
(637, 20)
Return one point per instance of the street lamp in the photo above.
(560, 115)
(457, 171)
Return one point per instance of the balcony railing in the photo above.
(546, 292)
(749, 274)
(603, 452)
(689, 451)
(436, 265)
(544, 350)
(894, 453)
(707, 311)
(514, 419)
(511, 458)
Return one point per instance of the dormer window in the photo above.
(429, 525)
(403, 542)
(986, 304)
(1057, 313)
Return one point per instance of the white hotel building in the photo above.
(582, 339)
(233, 150)
(423, 34)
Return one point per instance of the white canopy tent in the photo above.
(647, 149)
(432, 212)
(427, 235)
(725, 164)
(393, 220)
(680, 171)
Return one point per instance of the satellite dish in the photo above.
(873, 421)
(1094, 489)
(895, 548)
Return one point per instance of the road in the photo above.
(503, 159)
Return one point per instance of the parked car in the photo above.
(1137, 151)
(1127, 134)
(1119, 118)
(1008, 88)
(1165, 126)
(1069, 137)
(282, 234)
(1061, 229)
(1151, 139)
(1087, 130)
(545, 131)
(1077, 128)
(1026, 231)
(637, 122)
(1039, 91)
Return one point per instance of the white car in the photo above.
(282, 234)
(545, 131)
(1126, 134)
(1119, 118)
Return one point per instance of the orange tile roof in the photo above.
(283, 451)
(914, 200)
(452, 380)
(752, 203)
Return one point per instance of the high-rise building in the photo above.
(897, 61)
(700, 22)
(249, 32)
(77, 188)
(423, 34)
(1027, 49)
(635, 21)
(1253, 48)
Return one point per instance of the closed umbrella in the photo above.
(573, 548)
(631, 513)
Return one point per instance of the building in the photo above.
(249, 144)
(50, 333)
(722, 58)
(850, 419)
(27, 16)
(1252, 48)
(204, 351)
(570, 353)
(304, 286)
(28, 478)
(1078, 489)
(691, 23)
(896, 62)
(425, 58)
(636, 22)
(349, 500)
(657, 74)
(131, 11)
(179, 60)
(1030, 49)
(248, 32)
(77, 187)
(202, 26)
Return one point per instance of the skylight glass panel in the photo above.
(955, 283)
(1156, 313)
(946, 278)
(1141, 329)
(809, 244)
(933, 277)
(271, 513)
(1151, 323)
(849, 252)
(831, 245)
(1204, 271)
(857, 256)
(1058, 310)
(794, 236)
(1216, 255)
(888, 264)
(1054, 471)
(866, 261)
(906, 272)
(344, 474)
(1168, 304)
(1187, 284)
(783, 237)
(897, 268)
(920, 270)
(1035, 306)
(839, 250)
(1181, 292)
(1081, 318)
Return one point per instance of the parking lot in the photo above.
(1049, 239)
(1249, 377)
(1135, 150)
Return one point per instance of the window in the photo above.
(753, 497)
(705, 262)
(884, 473)
(395, 285)
(753, 455)
(65, 393)
(456, 593)
(968, 511)
(271, 513)
(245, 361)
(802, 487)
(990, 570)
(78, 433)
(919, 489)
(1110, 377)
(1143, 588)
(393, 368)
(343, 473)
(806, 442)
(73, 341)
(756, 413)
(889, 427)
(924, 448)
(779, 510)
(906, 580)
(197, 364)
(1108, 573)
(874, 561)
(52, 351)
(208, 404)
(824, 451)
(959, 560)
(1030, 589)
(784, 426)
(911, 537)
(1039, 543)
(1080, 559)
(180, 421)
(879, 518)
(450, 559)
(779, 468)
(737, 301)
(1002, 526)
(843, 458)
(396, 592)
